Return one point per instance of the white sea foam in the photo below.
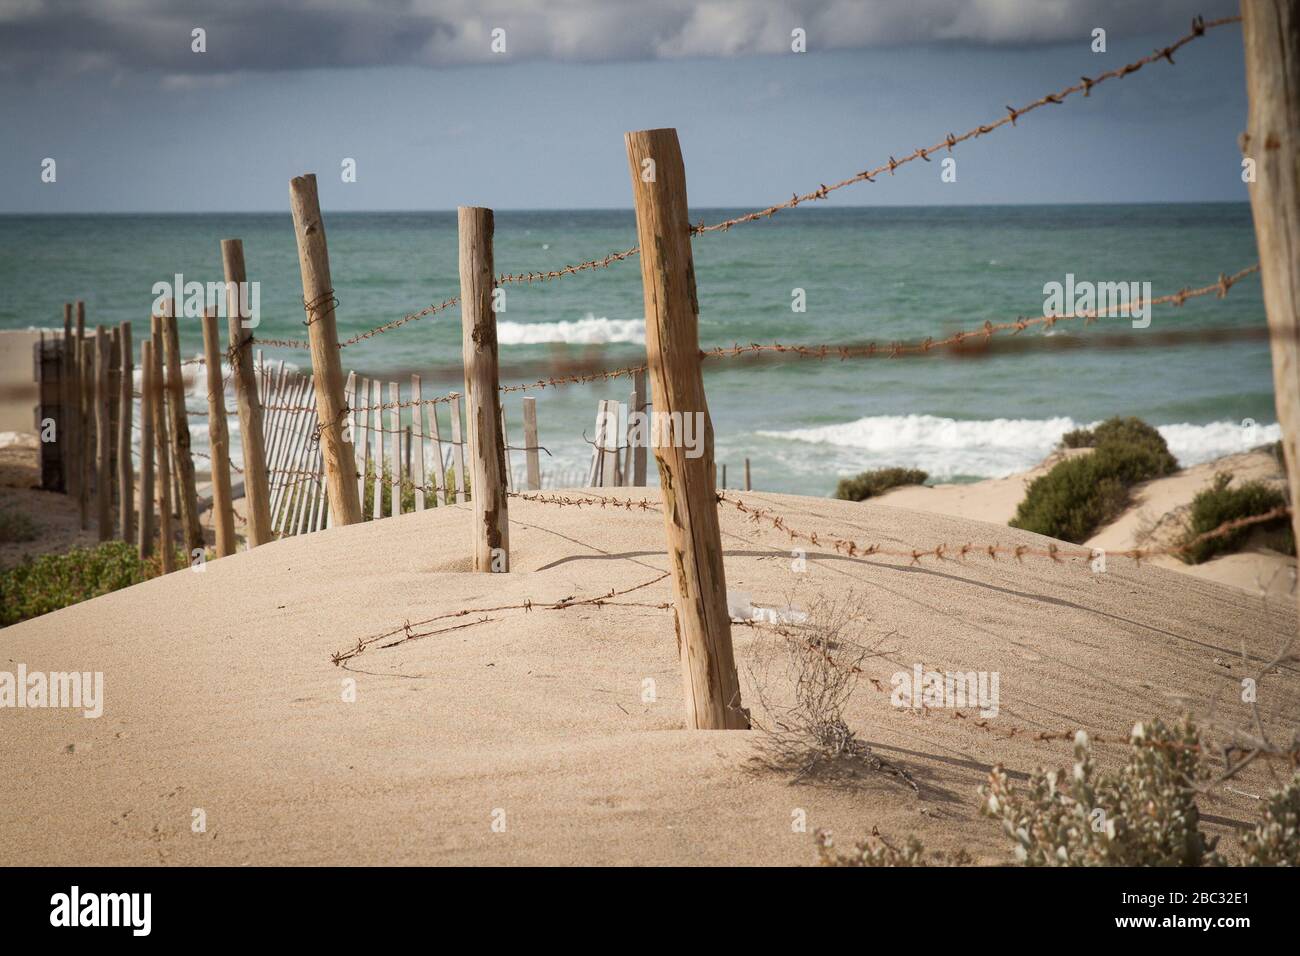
(995, 448)
(586, 331)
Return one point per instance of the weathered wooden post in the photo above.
(161, 449)
(145, 525)
(482, 398)
(1271, 33)
(48, 353)
(126, 412)
(114, 412)
(103, 437)
(710, 685)
(639, 450)
(319, 302)
(179, 425)
(85, 419)
(747, 487)
(532, 464)
(71, 388)
(223, 512)
(257, 488)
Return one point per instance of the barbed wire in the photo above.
(1221, 287)
(602, 600)
(1054, 552)
(1199, 28)
(1085, 86)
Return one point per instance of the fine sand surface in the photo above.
(221, 696)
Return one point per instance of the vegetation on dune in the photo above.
(1221, 503)
(16, 526)
(1083, 493)
(1144, 814)
(407, 492)
(53, 581)
(877, 482)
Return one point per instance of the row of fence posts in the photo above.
(673, 359)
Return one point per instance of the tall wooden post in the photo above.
(145, 523)
(103, 437)
(71, 403)
(1271, 33)
(532, 464)
(257, 485)
(85, 419)
(161, 450)
(126, 412)
(710, 685)
(179, 423)
(482, 398)
(319, 302)
(223, 513)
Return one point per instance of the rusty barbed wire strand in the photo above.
(1054, 552)
(586, 500)
(1220, 287)
(602, 600)
(1085, 86)
(1199, 27)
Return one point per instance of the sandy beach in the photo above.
(220, 696)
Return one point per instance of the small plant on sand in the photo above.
(54, 581)
(803, 676)
(1275, 841)
(407, 493)
(877, 482)
(1144, 815)
(1221, 503)
(875, 850)
(16, 526)
(1081, 494)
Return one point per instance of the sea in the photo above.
(807, 276)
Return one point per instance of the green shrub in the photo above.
(1144, 815)
(1220, 503)
(877, 482)
(1084, 492)
(1275, 841)
(16, 526)
(54, 581)
(408, 493)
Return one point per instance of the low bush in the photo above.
(1221, 503)
(16, 526)
(877, 482)
(1084, 492)
(1145, 814)
(54, 581)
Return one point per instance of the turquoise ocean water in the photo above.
(881, 274)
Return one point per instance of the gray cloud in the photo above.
(43, 37)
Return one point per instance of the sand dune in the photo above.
(221, 696)
(1152, 518)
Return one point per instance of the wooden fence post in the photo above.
(395, 448)
(126, 415)
(85, 421)
(223, 513)
(482, 398)
(418, 476)
(257, 491)
(71, 389)
(747, 487)
(458, 452)
(48, 355)
(161, 450)
(103, 438)
(114, 412)
(639, 451)
(533, 464)
(182, 459)
(1271, 33)
(145, 527)
(319, 302)
(710, 684)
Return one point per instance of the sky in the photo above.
(412, 91)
